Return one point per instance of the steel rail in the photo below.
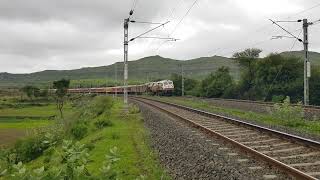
(286, 168)
(287, 136)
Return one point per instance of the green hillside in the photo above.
(313, 56)
(148, 68)
(141, 70)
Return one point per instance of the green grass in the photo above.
(128, 134)
(130, 137)
(23, 124)
(27, 117)
(311, 127)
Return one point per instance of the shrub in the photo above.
(101, 104)
(101, 123)
(79, 130)
(89, 146)
(28, 149)
(291, 115)
(107, 172)
(133, 109)
(32, 147)
(115, 136)
(278, 99)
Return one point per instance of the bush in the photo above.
(115, 136)
(101, 123)
(101, 104)
(28, 149)
(278, 99)
(291, 115)
(133, 109)
(32, 147)
(79, 130)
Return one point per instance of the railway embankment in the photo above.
(301, 127)
(296, 156)
(188, 153)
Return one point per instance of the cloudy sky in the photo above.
(36, 35)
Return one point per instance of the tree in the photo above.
(61, 87)
(31, 91)
(278, 76)
(247, 59)
(189, 84)
(216, 84)
(315, 87)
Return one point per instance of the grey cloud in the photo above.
(63, 34)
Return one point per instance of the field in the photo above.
(18, 118)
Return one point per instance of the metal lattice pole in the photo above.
(307, 70)
(125, 75)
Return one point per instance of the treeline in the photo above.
(266, 79)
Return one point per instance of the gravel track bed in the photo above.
(278, 151)
(187, 153)
(259, 108)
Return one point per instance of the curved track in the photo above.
(296, 156)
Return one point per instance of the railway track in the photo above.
(294, 155)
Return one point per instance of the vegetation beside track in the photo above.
(273, 119)
(96, 140)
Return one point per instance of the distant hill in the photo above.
(153, 67)
(313, 56)
(148, 68)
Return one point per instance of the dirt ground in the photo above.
(9, 136)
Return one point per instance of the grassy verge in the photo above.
(129, 135)
(96, 141)
(311, 127)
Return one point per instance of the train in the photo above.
(164, 87)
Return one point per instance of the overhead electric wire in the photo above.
(177, 25)
(149, 30)
(263, 27)
(185, 15)
(285, 30)
(134, 4)
(305, 10)
(294, 43)
(316, 22)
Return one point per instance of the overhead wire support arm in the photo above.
(280, 37)
(315, 22)
(149, 30)
(290, 21)
(164, 38)
(274, 22)
(143, 22)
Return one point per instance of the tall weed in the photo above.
(290, 115)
